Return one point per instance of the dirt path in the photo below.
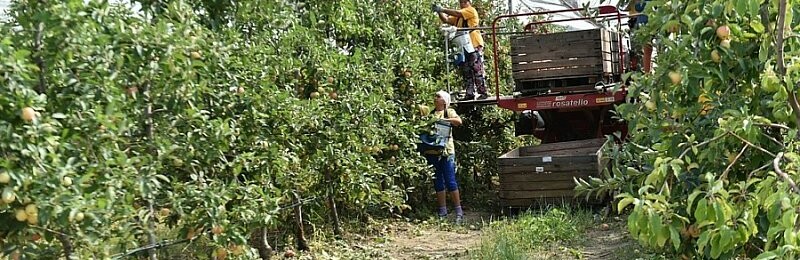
(443, 240)
(603, 242)
(436, 239)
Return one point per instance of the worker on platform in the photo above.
(472, 69)
(641, 51)
(443, 161)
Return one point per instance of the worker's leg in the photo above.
(480, 77)
(449, 168)
(468, 74)
(648, 57)
(438, 184)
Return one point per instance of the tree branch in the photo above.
(703, 144)
(776, 165)
(781, 67)
(753, 145)
(763, 167)
(151, 247)
(779, 126)
(738, 156)
(37, 58)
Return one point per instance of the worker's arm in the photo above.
(455, 121)
(443, 17)
(453, 118)
(451, 12)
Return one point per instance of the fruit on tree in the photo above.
(673, 26)
(236, 249)
(330, 80)
(132, 91)
(424, 110)
(725, 43)
(216, 230)
(20, 215)
(333, 95)
(220, 253)
(8, 195)
(5, 178)
(33, 219)
(66, 181)
(240, 90)
(28, 114)
(675, 77)
(693, 231)
(16, 255)
(289, 253)
(314, 94)
(164, 212)
(715, 56)
(35, 237)
(650, 105)
(191, 233)
(31, 209)
(196, 55)
(724, 32)
(77, 217)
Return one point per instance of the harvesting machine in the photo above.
(566, 87)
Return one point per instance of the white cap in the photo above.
(445, 96)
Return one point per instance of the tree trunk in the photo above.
(299, 233)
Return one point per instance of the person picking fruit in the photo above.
(444, 161)
(472, 69)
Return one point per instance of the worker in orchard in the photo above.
(443, 161)
(641, 51)
(472, 69)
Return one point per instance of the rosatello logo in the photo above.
(571, 103)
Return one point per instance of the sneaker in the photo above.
(482, 96)
(466, 98)
(459, 219)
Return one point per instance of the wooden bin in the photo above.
(542, 174)
(564, 61)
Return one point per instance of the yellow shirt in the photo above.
(471, 15)
(450, 147)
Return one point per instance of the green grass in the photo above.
(523, 236)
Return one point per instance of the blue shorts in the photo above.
(445, 172)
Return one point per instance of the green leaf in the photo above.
(725, 238)
(690, 201)
(700, 210)
(788, 219)
(675, 237)
(757, 26)
(624, 203)
(766, 256)
(702, 241)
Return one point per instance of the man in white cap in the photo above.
(444, 163)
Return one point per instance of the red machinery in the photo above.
(566, 87)
(569, 78)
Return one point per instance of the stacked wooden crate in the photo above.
(545, 173)
(564, 61)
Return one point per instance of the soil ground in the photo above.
(443, 240)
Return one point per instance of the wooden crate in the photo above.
(544, 173)
(566, 61)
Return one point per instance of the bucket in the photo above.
(462, 41)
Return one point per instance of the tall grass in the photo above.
(521, 237)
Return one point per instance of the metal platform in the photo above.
(491, 100)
